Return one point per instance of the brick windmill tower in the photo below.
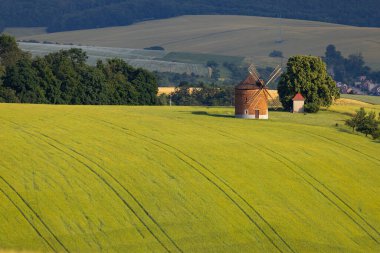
(252, 96)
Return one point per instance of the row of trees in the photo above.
(365, 123)
(347, 70)
(65, 78)
(60, 15)
(204, 95)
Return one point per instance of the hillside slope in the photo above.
(183, 179)
(232, 35)
(59, 15)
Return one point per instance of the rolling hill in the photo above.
(184, 179)
(62, 15)
(243, 36)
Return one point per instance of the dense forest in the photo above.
(65, 78)
(60, 15)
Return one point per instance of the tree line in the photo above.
(64, 77)
(61, 15)
(204, 95)
(348, 69)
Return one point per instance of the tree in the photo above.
(357, 119)
(365, 123)
(307, 75)
(10, 53)
(276, 54)
(22, 78)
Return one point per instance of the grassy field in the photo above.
(243, 36)
(184, 179)
(375, 100)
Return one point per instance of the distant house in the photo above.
(377, 91)
(369, 85)
(298, 103)
(343, 88)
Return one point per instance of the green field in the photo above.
(375, 100)
(184, 179)
(241, 36)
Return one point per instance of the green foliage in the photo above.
(212, 64)
(347, 70)
(156, 48)
(276, 54)
(365, 123)
(65, 78)
(9, 52)
(209, 96)
(307, 75)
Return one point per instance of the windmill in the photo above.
(252, 96)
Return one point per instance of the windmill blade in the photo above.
(253, 71)
(274, 72)
(258, 93)
(276, 103)
(250, 101)
(275, 76)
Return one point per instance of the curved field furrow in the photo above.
(35, 216)
(217, 182)
(172, 179)
(28, 220)
(363, 224)
(108, 184)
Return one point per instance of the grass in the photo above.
(203, 58)
(184, 179)
(241, 36)
(375, 100)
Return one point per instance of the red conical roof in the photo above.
(249, 83)
(298, 97)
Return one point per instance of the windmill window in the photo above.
(246, 99)
(246, 112)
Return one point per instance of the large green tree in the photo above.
(10, 53)
(307, 75)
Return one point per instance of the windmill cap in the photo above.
(298, 97)
(249, 83)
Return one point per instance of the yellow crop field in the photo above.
(184, 179)
(243, 36)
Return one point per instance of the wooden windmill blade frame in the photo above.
(275, 74)
(253, 71)
(277, 104)
(250, 101)
(258, 100)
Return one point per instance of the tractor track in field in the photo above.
(108, 184)
(342, 145)
(35, 214)
(169, 148)
(29, 222)
(352, 210)
(331, 191)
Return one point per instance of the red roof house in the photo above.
(298, 97)
(298, 103)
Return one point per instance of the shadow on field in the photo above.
(212, 114)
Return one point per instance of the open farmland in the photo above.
(148, 59)
(184, 179)
(367, 99)
(243, 36)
